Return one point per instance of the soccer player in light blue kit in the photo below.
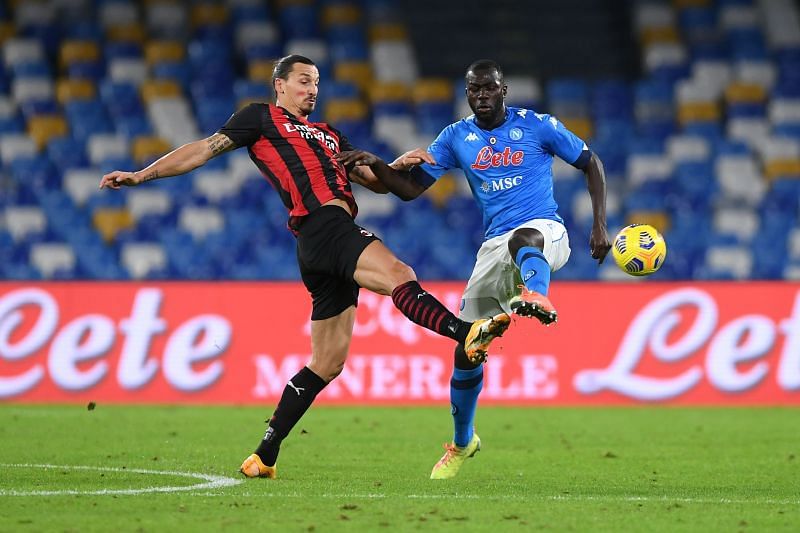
(507, 155)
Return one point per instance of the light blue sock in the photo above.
(465, 386)
(534, 269)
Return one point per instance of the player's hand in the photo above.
(118, 178)
(357, 158)
(412, 158)
(599, 243)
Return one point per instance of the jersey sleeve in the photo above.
(558, 140)
(442, 151)
(244, 126)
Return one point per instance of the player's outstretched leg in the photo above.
(532, 300)
(297, 397)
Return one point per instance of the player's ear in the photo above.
(505, 90)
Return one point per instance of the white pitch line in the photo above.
(211, 481)
(515, 497)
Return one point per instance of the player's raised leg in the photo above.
(465, 386)
(526, 246)
(330, 342)
(380, 271)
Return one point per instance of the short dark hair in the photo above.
(285, 64)
(485, 64)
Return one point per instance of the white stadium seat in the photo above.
(200, 221)
(17, 51)
(742, 222)
(393, 61)
(49, 257)
(103, 145)
(139, 258)
(128, 70)
(118, 14)
(16, 145)
(81, 184)
(173, 120)
(147, 201)
(29, 89)
(735, 260)
(682, 148)
(740, 179)
(216, 184)
(21, 221)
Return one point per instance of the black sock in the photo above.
(297, 397)
(425, 310)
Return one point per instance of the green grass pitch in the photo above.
(366, 469)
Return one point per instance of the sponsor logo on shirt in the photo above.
(310, 132)
(488, 158)
(500, 184)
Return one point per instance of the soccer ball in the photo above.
(639, 249)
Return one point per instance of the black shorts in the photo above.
(329, 244)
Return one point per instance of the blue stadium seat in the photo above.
(12, 124)
(31, 108)
(612, 99)
(179, 71)
(263, 51)
(249, 12)
(747, 44)
(37, 172)
(121, 50)
(299, 22)
(31, 69)
(90, 70)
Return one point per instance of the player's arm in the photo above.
(599, 242)
(402, 183)
(179, 161)
(565, 144)
(365, 177)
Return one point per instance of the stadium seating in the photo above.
(705, 145)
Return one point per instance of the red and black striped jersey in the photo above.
(294, 155)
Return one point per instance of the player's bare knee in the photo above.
(401, 273)
(523, 237)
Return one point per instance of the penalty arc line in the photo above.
(210, 481)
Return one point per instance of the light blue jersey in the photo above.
(509, 168)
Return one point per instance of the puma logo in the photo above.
(420, 295)
(298, 390)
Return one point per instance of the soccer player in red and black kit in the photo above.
(336, 257)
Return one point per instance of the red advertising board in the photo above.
(238, 343)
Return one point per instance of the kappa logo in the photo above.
(522, 112)
(528, 275)
(552, 120)
(471, 137)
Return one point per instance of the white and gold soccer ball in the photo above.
(639, 249)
